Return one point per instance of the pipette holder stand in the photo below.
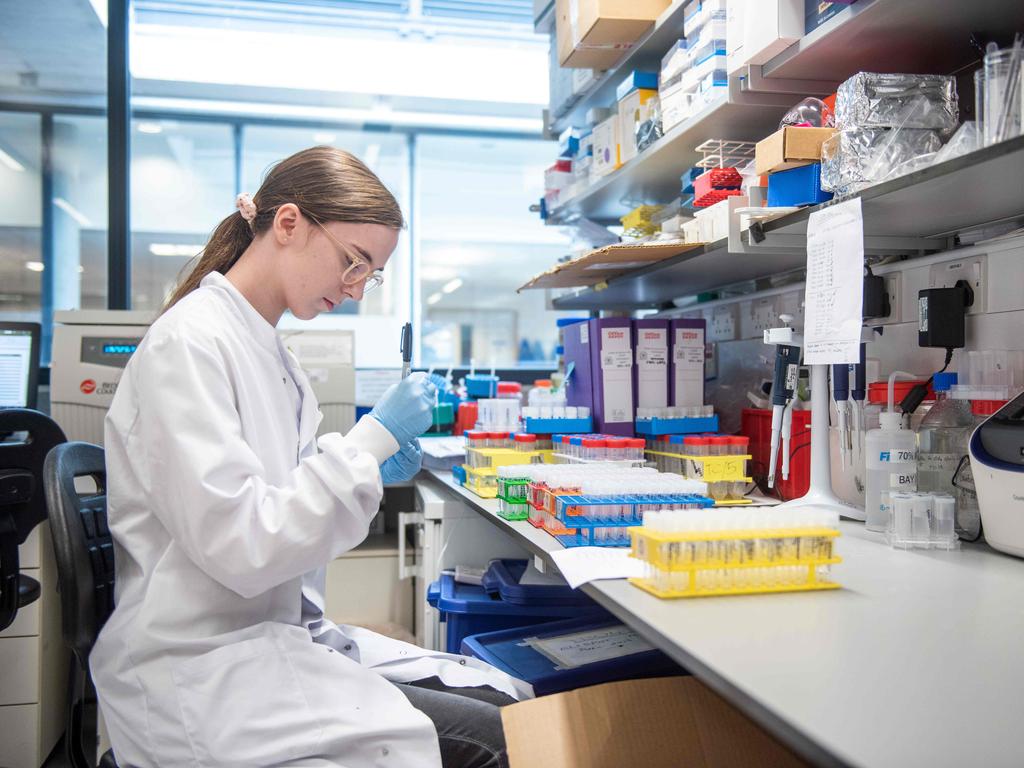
(819, 494)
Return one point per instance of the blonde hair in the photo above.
(327, 184)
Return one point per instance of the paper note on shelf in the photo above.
(581, 565)
(590, 646)
(834, 290)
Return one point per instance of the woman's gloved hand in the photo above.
(406, 409)
(403, 465)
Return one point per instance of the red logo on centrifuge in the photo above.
(88, 387)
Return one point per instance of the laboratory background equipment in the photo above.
(997, 463)
(328, 360)
(891, 462)
(90, 351)
(920, 520)
(19, 364)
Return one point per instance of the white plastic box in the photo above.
(757, 30)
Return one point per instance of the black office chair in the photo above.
(85, 575)
(22, 503)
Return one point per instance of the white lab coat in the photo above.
(224, 514)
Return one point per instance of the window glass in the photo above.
(478, 242)
(183, 184)
(21, 261)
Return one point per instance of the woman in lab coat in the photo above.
(225, 510)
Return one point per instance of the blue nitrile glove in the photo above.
(403, 465)
(407, 408)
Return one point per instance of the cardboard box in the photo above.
(651, 342)
(686, 363)
(636, 79)
(600, 31)
(604, 263)
(790, 147)
(760, 29)
(601, 353)
(629, 116)
(666, 722)
(606, 146)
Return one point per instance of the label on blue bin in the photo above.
(590, 646)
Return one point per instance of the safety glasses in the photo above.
(358, 270)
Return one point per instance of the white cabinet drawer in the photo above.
(19, 660)
(19, 737)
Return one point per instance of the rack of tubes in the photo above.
(604, 521)
(705, 554)
(717, 460)
(582, 449)
(513, 487)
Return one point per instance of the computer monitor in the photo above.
(19, 364)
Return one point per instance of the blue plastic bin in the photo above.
(797, 186)
(468, 609)
(508, 651)
(502, 578)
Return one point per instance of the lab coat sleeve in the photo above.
(208, 488)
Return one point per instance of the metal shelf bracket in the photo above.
(756, 81)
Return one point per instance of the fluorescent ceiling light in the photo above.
(452, 285)
(10, 162)
(490, 123)
(74, 213)
(174, 249)
(34, 266)
(324, 137)
(100, 7)
(434, 298)
(149, 127)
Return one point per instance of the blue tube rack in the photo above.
(585, 526)
(686, 426)
(559, 426)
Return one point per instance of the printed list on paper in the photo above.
(834, 293)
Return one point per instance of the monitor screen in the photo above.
(19, 364)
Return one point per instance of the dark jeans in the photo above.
(468, 722)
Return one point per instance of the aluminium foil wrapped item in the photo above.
(854, 159)
(923, 102)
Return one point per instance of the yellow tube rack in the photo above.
(483, 481)
(709, 566)
(711, 469)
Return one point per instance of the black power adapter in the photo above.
(941, 314)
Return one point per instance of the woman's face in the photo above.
(316, 262)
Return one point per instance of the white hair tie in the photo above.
(246, 206)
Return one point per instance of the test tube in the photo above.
(636, 446)
(921, 507)
(943, 515)
(719, 445)
(902, 515)
(525, 442)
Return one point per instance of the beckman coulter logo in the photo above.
(615, 334)
(652, 335)
(690, 335)
(88, 386)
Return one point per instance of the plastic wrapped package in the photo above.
(854, 159)
(809, 113)
(649, 130)
(923, 102)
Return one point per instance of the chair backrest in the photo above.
(81, 542)
(22, 502)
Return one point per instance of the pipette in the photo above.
(784, 381)
(787, 438)
(841, 393)
(858, 393)
(406, 349)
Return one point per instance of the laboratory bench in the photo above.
(916, 661)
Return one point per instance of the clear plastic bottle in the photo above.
(942, 438)
(890, 459)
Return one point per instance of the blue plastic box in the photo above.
(636, 79)
(797, 186)
(468, 609)
(508, 651)
(535, 426)
(688, 426)
(481, 385)
(502, 578)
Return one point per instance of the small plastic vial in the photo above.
(525, 442)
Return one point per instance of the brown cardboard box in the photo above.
(662, 723)
(790, 147)
(602, 30)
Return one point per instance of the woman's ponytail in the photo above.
(229, 240)
(326, 183)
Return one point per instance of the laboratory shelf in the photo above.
(646, 54)
(921, 208)
(653, 175)
(915, 661)
(896, 36)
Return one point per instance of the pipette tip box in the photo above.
(535, 426)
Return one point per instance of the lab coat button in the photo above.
(385, 752)
(348, 647)
(462, 662)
